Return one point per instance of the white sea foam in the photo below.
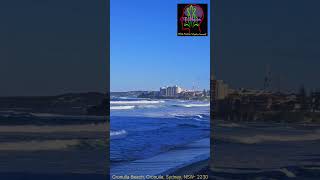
(136, 102)
(148, 106)
(117, 133)
(121, 107)
(124, 98)
(191, 116)
(199, 116)
(201, 120)
(193, 105)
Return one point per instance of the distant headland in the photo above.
(251, 105)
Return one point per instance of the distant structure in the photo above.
(221, 89)
(176, 92)
(171, 91)
(163, 91)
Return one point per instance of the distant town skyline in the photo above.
(166, 86)
(147, 54)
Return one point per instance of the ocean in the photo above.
(145, 133)
(265, 150)
(50, 146)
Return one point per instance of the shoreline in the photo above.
(174, 161)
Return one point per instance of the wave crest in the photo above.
(136, 102)
(192, 105)
(118, 134)
(121, 107)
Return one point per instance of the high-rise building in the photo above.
(163, 91)
(171, 91)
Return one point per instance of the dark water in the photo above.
(54, 154)
(265, 151)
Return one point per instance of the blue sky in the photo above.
(145, 51)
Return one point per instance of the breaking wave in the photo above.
(136, 102)
(148, 106)
(190, 116)
(118, 134)
(199, 116)
(121, 107)
(192, 105)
